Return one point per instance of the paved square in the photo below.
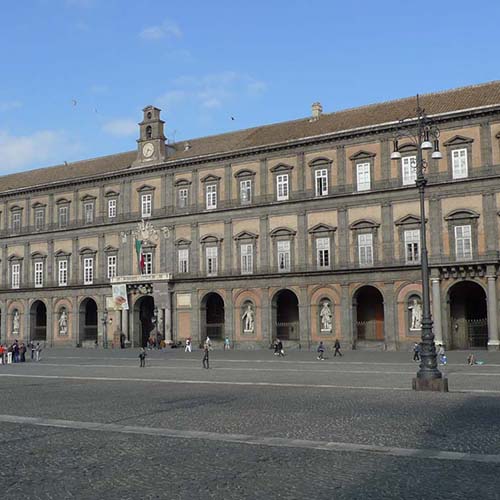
(92, 424)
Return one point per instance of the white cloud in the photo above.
(121, 127)
(38, 149)
(168, 29)
(211, 91)
(8, 105)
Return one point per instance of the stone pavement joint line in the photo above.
(254, 440)
(247, 384)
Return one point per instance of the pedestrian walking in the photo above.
(442, 355)
(15, 351)
(336, 346)
(281, 351)
(206, 350)
(38, 351)
(321, 351)
(188, 345)
(22, 352)
(227, 344)
(208, 342)
(2, 355)
(32, 349)
(471, 359)
(142, 358)
(416, 352)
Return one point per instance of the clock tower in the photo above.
(151, 143)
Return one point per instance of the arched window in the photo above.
(149, 132)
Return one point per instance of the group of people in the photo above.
(441, 354)
(322, 349)
(16, 352)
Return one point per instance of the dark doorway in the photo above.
(286, 315)
(468, 316)
(369, 305)
(145, 314)
(213, 316)
(38, 321)
(88, 320)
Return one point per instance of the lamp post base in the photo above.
(430, 384)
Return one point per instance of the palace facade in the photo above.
(304, 230)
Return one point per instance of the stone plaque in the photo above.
(183, 300)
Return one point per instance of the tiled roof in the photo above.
(474, 96)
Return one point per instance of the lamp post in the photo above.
(428, 378)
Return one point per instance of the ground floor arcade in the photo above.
(377, 314)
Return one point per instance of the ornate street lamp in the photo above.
(428, 378)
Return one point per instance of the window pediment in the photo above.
(322, 228)
(38, 255)
(145, 188)
(14, 258)
(110, 249)
(408, 219)
(181, 242)
(87, 251)
(210, 238)
(322, 161)
(461, 213)
(282, 231)
(88, 197)
(364, 224)
(111, 194)
(62, 201)
(37, 204)
(62, 253)
(210, 178)
(407, 147)
(245, 235)
(244, 172)
(282, 167)
(458, 140)
(182, 182)
(362, 155)
(16, 208)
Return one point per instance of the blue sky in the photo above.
(75, 74)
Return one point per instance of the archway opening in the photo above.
(213, 316)
(145, 322)
(38, 320)
(468, 316)
(286, 312)
(369, 305)
(88, 320)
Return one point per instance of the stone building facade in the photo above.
(304, 230)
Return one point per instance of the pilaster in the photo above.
(263, 178)
(341, 169)
(347, 325)
(195, 249)
(264, 243)
(486, 149)
(343, 237)
(436, 310)
(227, 260)
(387, 234)
(390, 324)
(436, 230)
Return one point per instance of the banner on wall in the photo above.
(120, 300)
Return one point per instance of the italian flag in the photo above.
(140, 255)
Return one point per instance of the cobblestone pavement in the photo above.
(361, 401)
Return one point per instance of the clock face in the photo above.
(148, 149)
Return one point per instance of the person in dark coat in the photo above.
(142, 357)
(337, 348)
(206, 350)
(280, 350)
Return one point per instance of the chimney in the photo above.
(317, 109)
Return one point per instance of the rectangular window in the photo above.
(463, 242)
(146, 205)
(16, 275)
(63, 216)
(412, 246)
(62, 273)
(183, 258)
(284, 257)
(363, 177)
(212, 264)
(88, 270)
(211, 196)
(246, 191)
(38, 274)
(88, 209)
(459, 163)
(111, 266)
(183, 198)
(16, 221)
(39, 219)
(321, 182)
(246, 258)
(111, 209)
(148, 263)
(365, 244)
(409, 166)
(282, 187)
(323, 253)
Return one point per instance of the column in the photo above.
(227, 264)
(387, 235)
(3, 322)
(493, 342)
(343, 238)
(26, 278)
(125, 330)
(167, 315)
(341, 169)
(486, 149)
(304, 319)
(302, 241)
(265, 326)
(435, 229)
(436, 310)
(301, 174)
(228, 184)
(346, 333)
(101, 259)
(75, 321)
(195, 249)
(263, 179)
(263, 242)
(491, 224)
(50, 324)
(390, 323)
(49, 279)
(194, 194)
(229, 316)
(75, 261)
